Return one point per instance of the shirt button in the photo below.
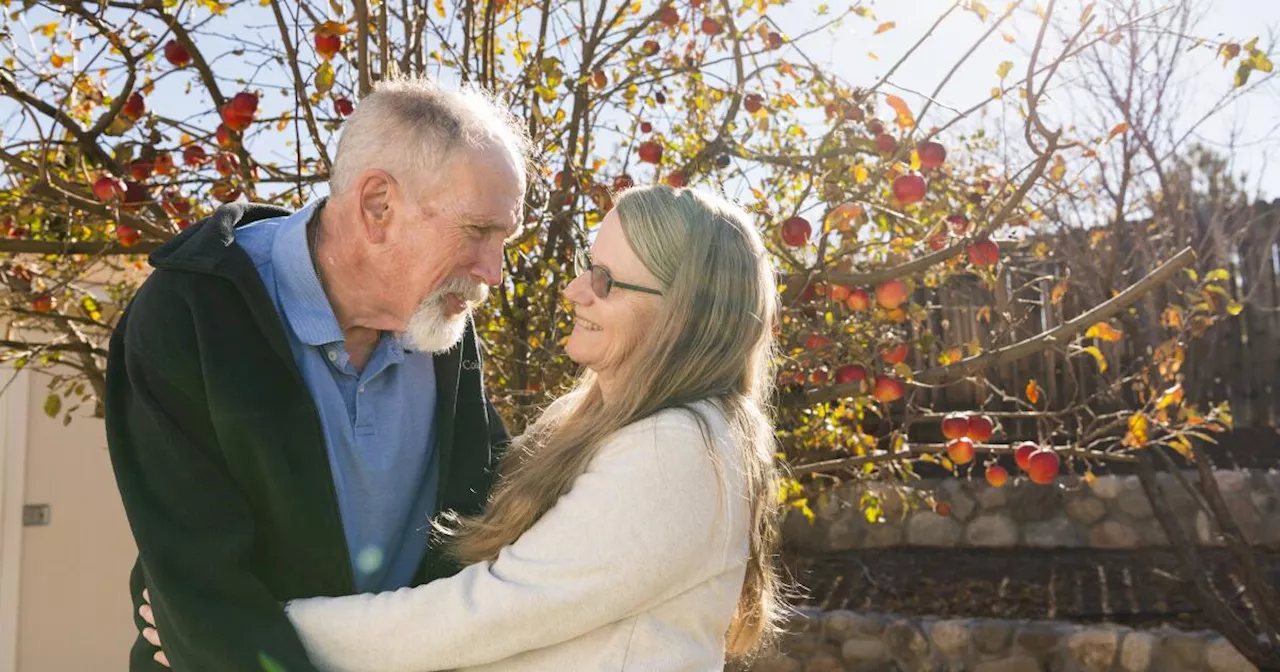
(362, 389)
(333, 356)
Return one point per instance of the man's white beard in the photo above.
(430, 329)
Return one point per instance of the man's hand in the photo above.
(151, 634)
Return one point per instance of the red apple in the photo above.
(43, 303)
(955, 426)
(959, 224)
(753, 102)
(997, 475)
(1043, 466)
(796, 231)
(134, 195)
(942, 508)
(891, 294)
(961, 451)
(850, 373)
(710, 26)
(839, 293)
(981, 427)
(127, 235)
(183, 224)
(599, 79)
(108, 188)
(875, 126)
(238, 113)
(819, 376)
(646, 127)
(816, 342)
(660, 98)
(895, 354)
(650, 152)
(885, 143)
(328, 45)
(775, 40)
(1022, 454)
(652, 47)
(984, 253)
(623, 182)
(164, 163)
(228, 164)
(909, 189)
(669, 16)
(141, 169)
(888, 388)
(224, 136)
(858, 300)
(224, 191)
(194, 155)
(931, 154)
(936, 240)
(677, 179)
(176, 53)
(134, 107)
(342, 105)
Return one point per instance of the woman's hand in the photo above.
(151, 634)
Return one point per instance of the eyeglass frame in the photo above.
(582, 265)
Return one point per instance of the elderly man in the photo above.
(291, 395)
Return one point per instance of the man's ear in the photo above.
(377, 190)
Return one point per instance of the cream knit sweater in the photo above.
(638, 567)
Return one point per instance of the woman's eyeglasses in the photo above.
(602, 281)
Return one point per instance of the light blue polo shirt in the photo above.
(378, 422)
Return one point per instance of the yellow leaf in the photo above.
(1033, 391)
(324, 78)
(905, 120)
(1097, 354)
(1217, 275)
(336, 6)
(872, 55)
(1059, 291)
(996, 92)
(1172, 317)
(1005, 68)
(1104, 331)
(1007, 37)
(1137, 436)
(885, 27)
(56, 61)
(979, 9)
(284, 121)
(1170, 397)
(1090, 478)
(1234, 308)
(860, 173)
(984, 314)
(48, 29)
(1117, 130)
(440, 8)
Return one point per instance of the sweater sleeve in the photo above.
(645, 522)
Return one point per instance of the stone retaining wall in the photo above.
(1112, 513)
(843, 641)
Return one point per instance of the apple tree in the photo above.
(126, 121)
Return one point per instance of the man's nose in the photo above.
(489, 268)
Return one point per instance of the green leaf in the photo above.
(52, 404)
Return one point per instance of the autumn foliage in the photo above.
(139, 119)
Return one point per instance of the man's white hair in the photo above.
(411, 127)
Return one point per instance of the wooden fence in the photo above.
(1237, 360)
